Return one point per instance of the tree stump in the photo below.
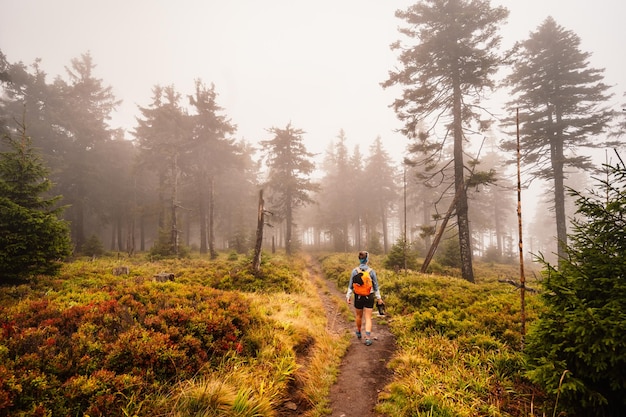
(163, 277)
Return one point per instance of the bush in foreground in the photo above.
(90, 357)
(578, 348)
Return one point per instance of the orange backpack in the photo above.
(362, 282)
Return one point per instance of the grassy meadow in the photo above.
(222, 341)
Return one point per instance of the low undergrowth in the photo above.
(220, 340)
(217, 340)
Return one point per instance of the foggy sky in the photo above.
(315, 64)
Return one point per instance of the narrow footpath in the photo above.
(363, 372)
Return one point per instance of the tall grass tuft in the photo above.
(204, 397)
(248, 405)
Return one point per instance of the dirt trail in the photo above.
(363, 368)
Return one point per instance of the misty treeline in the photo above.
(181, 178)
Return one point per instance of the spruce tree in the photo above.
(446, 67)
(32, 238)
(290, 168)
(401, 256)
(578, 347)
(338, 190)
(380, 177)
(562, 102)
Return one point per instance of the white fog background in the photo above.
(315, 64)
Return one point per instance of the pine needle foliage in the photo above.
(578, 348)
(401, 256)
(32, 237)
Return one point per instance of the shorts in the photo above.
(362, 301)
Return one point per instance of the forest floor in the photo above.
(363, 372)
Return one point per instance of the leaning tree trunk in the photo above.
(439, 234)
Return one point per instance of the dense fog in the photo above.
(180, 166)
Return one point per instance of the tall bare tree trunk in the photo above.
(212, 250)
(142, 231)
(522, 277)
(174, 206)
(498, 227)
(120, 228)
(357, 234)
(557, 159)
(462, 211)
(130, 235)
(385, 227)
(162, 202)
(203, 215)
(256, 262)
(288, 225)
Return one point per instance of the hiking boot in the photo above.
(368, 342)
(358, 335)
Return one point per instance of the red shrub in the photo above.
(86, 358)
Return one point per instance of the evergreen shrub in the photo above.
(401, 256)
(33, 240)
(577, 349)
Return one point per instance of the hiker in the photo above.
(364, 284)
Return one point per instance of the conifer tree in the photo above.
(162, 137)
(337, 192)
(290, 166)
(445, 74)
(86, 105)
(380, 180)
(211, 156)
(578, 346)
(32, 238)
(401, 256)
(562, 107)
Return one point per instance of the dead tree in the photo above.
(256, 262)
(522, 278)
